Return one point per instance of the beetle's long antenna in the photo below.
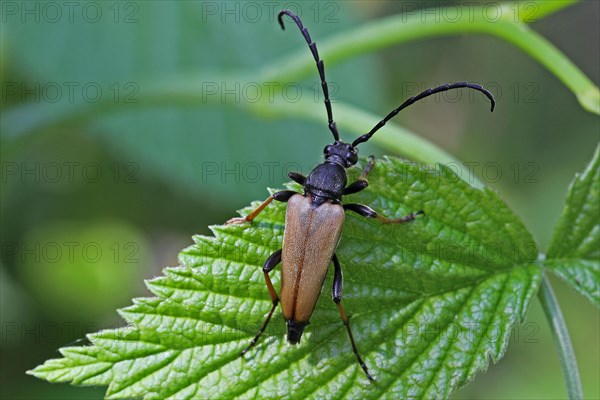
(418, 97)
(313, 48)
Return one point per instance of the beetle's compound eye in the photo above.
(352, 156)
(327, 150)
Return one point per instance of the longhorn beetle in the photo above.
(314, 219)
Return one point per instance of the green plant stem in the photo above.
(396, 29)
(562, 340)
(370, 37)
(401, 28)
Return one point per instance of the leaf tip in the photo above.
(38, 372)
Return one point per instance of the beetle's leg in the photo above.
(298, 178)
(362, 182)
(338, 283)
(270, 264)
(370, 213)
(282, 196)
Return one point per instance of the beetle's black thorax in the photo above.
(326, 182)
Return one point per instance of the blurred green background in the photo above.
(102, 184)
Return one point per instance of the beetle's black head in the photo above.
(341, 153)
(294, 331)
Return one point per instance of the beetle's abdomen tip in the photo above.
(294, 331)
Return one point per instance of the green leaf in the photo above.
(574, 252)
(431, 302)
